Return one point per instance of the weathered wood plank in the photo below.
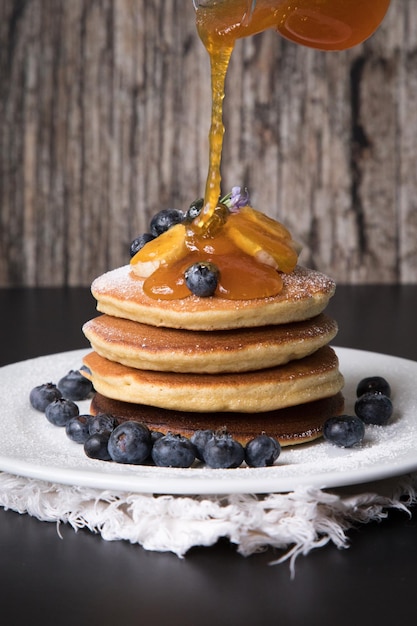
(104, 115)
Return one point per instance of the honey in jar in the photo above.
(323, 24)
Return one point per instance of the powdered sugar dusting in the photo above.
(304, 282)
(121, 278)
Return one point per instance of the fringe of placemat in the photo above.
(295, 522)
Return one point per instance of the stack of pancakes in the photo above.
(247, 366)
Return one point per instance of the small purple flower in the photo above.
(237, 199)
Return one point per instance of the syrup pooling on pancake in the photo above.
(248, 248)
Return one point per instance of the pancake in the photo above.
(305, 294)
(167, 349)
(292, 425)
(313, 377)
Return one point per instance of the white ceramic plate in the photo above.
(30, 446)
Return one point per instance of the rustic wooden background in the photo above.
(104, 114)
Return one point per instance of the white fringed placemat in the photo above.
(295, 522)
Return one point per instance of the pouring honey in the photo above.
(323, 24)
(248, 249)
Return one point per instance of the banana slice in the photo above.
(266, 240)
(164, 250)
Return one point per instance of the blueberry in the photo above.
(95, 447)
(155, 435)
(42, 395)
(102, 423)
(194, 210)
(374, 408)
(164, 220)
(344, 431)
(75, 386)
(376, 384)
(173, 451)
(138, 243)
(60, 411)
(77, 428)
(222, 451)
(199, 439)
(202, 278)
(130, 442)
(262, 451)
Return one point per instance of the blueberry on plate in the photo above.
(173, 451)
(138, 243)
(222, 451)
(42, 395)
(130, 442)
(164, 220)
(102, 423)
(60, 411)
(75, 386)
(199, 439)
(344, 431)
(376, 384)
(262, 451)
(77, 428)
(95, 447)
(201, 279)
(374, 408)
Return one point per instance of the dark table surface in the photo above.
(83, 579)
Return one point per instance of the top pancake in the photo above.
(305, 294)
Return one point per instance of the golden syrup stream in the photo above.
(219, 62)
